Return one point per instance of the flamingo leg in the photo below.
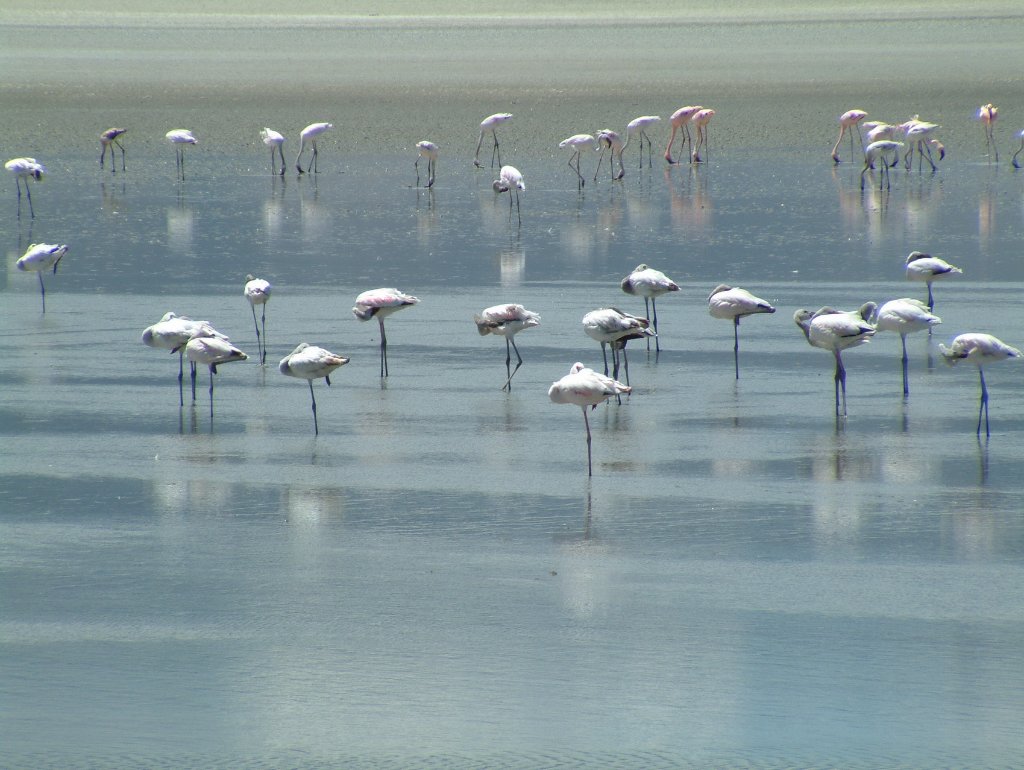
(431, 171)
(622, 168)
(259, 343)
(600, 158)
(316, 428)
(668, 148)
(586, 424)
(906, 384)
(647, 315)
(416, 165)
(840, 384)
(508, 361)
(121, 147)
(519, 211)
(604, 355)
(835, 149)
(983, 406)
(213, 371)
(28, 194)
(657, 339)
(383, 349)
(193, 365)
(42, 289)
(931, 299)
(736, 344)
(496, 149)
(103, 153)
(625, 362)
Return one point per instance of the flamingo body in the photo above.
(850, 118)
(613, 142)
(577, 143)
(489, 125)
(257, 292)
(904, 316)
(379, 304)
(610, 325)
(211, 351)
(38, 258)
(507, 321)
(584, 388)
(979, 349)
(172, 332)
(430, 151)
(700, 120)
(925, 267)
(733, 303)
(650, 284)
(987, 114)
(275, 142)
(837, 331)
(25, 169)
(510, 180)
(638, 127)
(109, 138)
(309, 362)
(681, 119)
(180, 138)
(309, 135)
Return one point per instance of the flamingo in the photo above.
(918, 134)
(381, 303)
(310, 134)
(507, 321)
(904, 316)
(584, 387)
(734, 303)
(172, 332)
(108, 138)
(212, 350)
(427, 150)
(180, 137)
(836, 331)
(846, 120)
(25, 169)
(1019, 150)
(309, 362)
(608, 325)
(511, 181)
(39, 257)
(987, 114)
(877, 151)
(257, 291)
(638, 127)
(925, 267)
(275, 141)
(489, 125)
(577, 143)
(979, 349)
(681, 120)
(700, 119)
(610, 140)
(649, 284)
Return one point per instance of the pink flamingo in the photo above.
(987, 114)
(108, 138)
(310, 134)
(639, 126)
(612, 141)
(379, 304)
(846, 120)
(584, 387)
(701, 119)
(577, 143)
(681, 120)
(489, 125)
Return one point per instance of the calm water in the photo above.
(434, 581)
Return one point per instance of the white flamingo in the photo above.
(585, 388)
(700, 120)
(25, 169)
(876, 151)
(638, 127)
(275, 141)
(649, 284)
(507, 321)
(430, 151)
(180, 138)
(210, 350)
(510, 180)
(979, 349)
(257, 291)
(904, 316)
(613, 142)
(310, 134)
(577, 143)
(846, 120)
(835, 331)
(172, 332)
(109, 138)
(681, 120)
(489, 125)
(925, 267)
(919, 135)
(379, 304)
(40, 257)
(987, 114)
(732, 304)
(609, 325)
(309, 362)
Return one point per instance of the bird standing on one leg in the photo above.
(925, 267)
(649, 284)
(40, 257)
(734, 303)
(904, 316)
(309, 362)
(585, 388)
(836, 331)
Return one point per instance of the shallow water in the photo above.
(746, 581)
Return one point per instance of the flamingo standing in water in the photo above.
(585, 388)
(427, 150)
(107, 139)
(40, 257)
(609, 325)
(211, 350)
(904, 316)
(925, 267)
(987, 114)
(379, 304)
(649, 284)
(638, 127)
(489, 125)
(180, 138)
(172, 332)
(275, 141)
(836, 331)
(507, 321)
(309, 362)
(612, 141)
(310, 134)
(577, 143)
(25, 169)
(510, 180)
(918, 134)
(681, 120)
(257, 291)
(876, 151)
(979, 349)
(734, 303)
(700, 120)
(850, 118)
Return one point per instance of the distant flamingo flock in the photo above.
(883, 146)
